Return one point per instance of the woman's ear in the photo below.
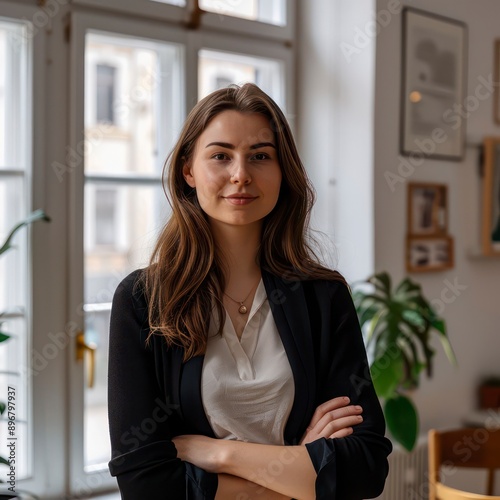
(188, 176)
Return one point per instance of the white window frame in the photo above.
(57, 265)
(81, 23)
(209, 20)
(199, 40)
(36, 317)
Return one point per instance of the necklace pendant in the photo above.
(242, 309)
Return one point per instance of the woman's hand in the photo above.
(333, 419)
(202, 451)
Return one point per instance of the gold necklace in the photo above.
(243, 308)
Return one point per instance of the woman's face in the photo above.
(235, 169)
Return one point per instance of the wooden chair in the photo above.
(469, 447)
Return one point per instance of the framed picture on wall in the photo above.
(427, 209)
(429, 253)
(491, 197)
(433, 85)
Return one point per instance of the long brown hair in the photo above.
(185, 278)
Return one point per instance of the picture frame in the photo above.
(490, 227)
(427, 209)
(429, 253)
(433, 84)
(496, 65)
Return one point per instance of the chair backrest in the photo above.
(468, 447)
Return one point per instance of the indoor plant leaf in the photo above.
(4, 461)
(439, 325)
(2, 408)
(34, 216)
(402, 421)
(407, 287)
(387, 372)
(4, 336)
(399, 321)
(382, 282)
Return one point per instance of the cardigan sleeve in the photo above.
(354, 467)
(144, 459)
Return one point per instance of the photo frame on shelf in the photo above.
(496, 65)
(427, 209)
(429, 253)
(491, 197)
(433, 84)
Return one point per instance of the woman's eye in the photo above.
(260, 156)
(219, 156)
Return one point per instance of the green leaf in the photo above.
(2, 408)
(374, 322)
(4, 461)
(387, 373)
(406, 288)
(366, 314)
(402, 421)
(34, 216)
(4, 337)
(382, 282)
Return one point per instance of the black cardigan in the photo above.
(154, 396)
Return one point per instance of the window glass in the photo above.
(266, 11)
(131, 104)
(15, 146)
(217, 69)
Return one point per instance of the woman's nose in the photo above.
(240, 173)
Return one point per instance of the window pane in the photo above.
(13, 262)
(125, 80)
(218, 69)
(13, 95)
(15, 375)
(16, 369)
(132, 112)
(139, 212)
(266, 11)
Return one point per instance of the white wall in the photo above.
(339, 142)
(335, 127)
(473, 317)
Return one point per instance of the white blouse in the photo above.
(247, 385)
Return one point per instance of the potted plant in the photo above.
(7, 245)
(489, 393)
(398, 325)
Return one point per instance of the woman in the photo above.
(237, 367)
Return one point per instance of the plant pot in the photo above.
(489, 396)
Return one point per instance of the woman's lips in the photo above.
(243, 199)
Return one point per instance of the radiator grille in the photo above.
(408, 476)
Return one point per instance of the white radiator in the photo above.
(408, 476)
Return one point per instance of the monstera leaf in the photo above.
(398, 323)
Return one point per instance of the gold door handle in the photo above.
(81, 347)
